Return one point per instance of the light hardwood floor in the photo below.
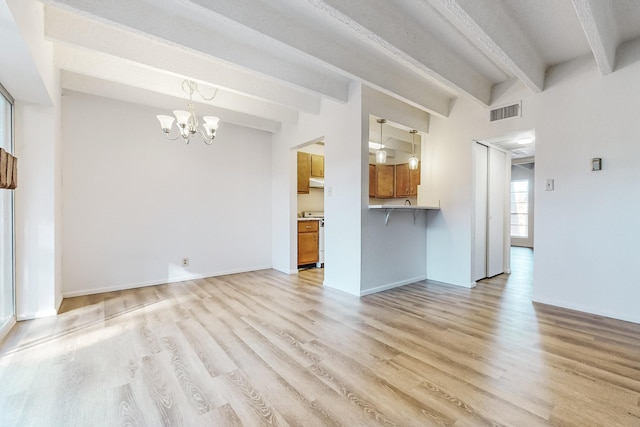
(265, 348)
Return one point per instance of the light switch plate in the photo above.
(549, 185)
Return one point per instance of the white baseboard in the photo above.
(122, 287)
(4, 331)
(37, 314)
(58, 303)
(588, 310)
(392, 285)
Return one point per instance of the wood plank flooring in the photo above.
(269, 349)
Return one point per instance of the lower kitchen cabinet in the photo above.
(308, 234)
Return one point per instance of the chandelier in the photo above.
(187, 121)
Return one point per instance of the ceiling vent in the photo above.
(507, 112)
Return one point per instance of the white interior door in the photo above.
(481, 199)
(496, 216)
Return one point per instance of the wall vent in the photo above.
(506, 112)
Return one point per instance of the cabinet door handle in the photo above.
(308, 226)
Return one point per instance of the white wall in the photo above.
(393, 254)
(135, 203)
(585, 230)
(338, 125)
(586, 234)
(448, 167)
(28, 73)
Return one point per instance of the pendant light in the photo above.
(413, 160)
(381, 155)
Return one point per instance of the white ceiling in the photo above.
(272, 59)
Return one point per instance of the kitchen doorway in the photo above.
(310, 250)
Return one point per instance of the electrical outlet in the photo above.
(185, 262)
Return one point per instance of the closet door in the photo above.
(481, 196)
(7, 290)
(496, 212)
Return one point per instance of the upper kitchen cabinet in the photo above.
(309, 166)
(304, 172)
(385, 181)
(372, 180)
(317, 166)
(407, 180)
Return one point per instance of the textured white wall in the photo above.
(136, 203)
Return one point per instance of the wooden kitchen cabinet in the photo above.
(385, 175)
(317, 166)
(308, 234)
(402, 180)
(304, 172)
(407, 181)
(414, 181)
(372, 180)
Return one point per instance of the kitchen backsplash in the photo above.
(314, 201)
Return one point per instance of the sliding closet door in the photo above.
(7, 306)
(490, 207)
(481, 155)
(496, 215)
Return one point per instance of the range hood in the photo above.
(316, 182)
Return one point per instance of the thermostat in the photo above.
(596, 164)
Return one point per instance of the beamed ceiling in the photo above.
(272, 59)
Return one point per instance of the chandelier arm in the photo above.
(205, 138)
(169, 137)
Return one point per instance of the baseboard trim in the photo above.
(4, 331)
(392, 285)
(37, 314)
(123, 287)
(585, 309)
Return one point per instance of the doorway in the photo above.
(518, 190)
(310, 206)
(491, 178)
(522, 202)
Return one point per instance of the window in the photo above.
(520, 208)
(7, 311)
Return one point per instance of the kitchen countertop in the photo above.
(402, 207)
(387, 209)
(309, 219)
